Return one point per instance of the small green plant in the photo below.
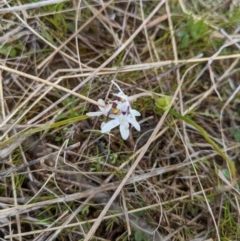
(47, 35)
(110, 224)
(58, 19)
(85, 209)
(10, 50)
(191, 32)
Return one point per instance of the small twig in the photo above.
(31, 6)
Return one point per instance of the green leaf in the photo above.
(181, 33)
(199, 29)
(138, 236)
(7, 49)
(185, 41)
(47, 36)
(235, 133)
(71, 27)
(85, 210)
(226, 173)
(58, 138)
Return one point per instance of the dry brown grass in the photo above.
(66, 180)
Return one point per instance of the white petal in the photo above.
(135, 112)
(124, 130)
(110, 125)
(123, 120)
(101, 102)
(103, 110)
(123, 106)
(121, 95)
(108, 107)
(117, 86)
(97, 113)
(134, 122)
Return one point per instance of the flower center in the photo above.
(116, 111)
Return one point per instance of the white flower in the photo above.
(120, 112)
(103, 110)
(123, 120)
